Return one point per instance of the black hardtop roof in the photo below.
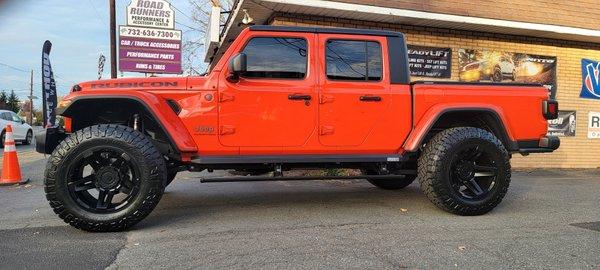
(327, 30)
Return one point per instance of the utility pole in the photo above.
(113, 39)
(31, 100)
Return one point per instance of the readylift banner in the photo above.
(564, 125)
(497, 66)
(591, 82)
(432, 62)
(48, 88)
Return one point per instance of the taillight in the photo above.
(550, 109)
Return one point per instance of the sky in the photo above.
(79, 32)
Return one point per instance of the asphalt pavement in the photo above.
(549, 220)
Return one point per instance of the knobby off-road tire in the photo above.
(451, 162)
(120, 159)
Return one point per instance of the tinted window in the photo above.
(6, 116)
(276, 58)
(354, 60)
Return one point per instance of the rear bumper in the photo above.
(47, 140)
(544, 145)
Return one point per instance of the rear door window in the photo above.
(276, 58)
(354, 60)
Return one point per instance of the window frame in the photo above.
(366, 80)
(306, 67)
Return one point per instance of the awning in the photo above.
(262, 10)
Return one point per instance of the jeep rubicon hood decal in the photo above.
(134, 84)
(137, 84)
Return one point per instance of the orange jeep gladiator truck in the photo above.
(284, 98)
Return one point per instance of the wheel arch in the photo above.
(482, 117)
(90, 110)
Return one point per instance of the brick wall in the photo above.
(575, 152)
(574, 13)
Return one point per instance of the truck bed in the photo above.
(517, 105)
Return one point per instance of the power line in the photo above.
(190, 18)
(13, 67)
(39, 84)
(187, 16)
(96, 11)
(196, 29)
(36, 71)
(15, 90)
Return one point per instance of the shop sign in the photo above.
(149, 50)
(149, 42)
(502, 67)
(429, 61)
(594, 125)
(564, 125)
(591, 82)
(151, 13)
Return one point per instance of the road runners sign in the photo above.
(149, 42)
(151, 13)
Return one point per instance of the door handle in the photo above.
(370, 98)
(299, 97)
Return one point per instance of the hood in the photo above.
(153, 83)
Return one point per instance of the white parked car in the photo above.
(22, 131)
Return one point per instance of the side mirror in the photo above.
(237, 66)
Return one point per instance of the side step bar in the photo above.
(301, 178)
(287, 159)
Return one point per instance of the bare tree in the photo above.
(194, 35)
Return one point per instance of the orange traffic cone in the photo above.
(11, 172)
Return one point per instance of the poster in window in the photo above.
(590, 86)
(593, 125)
(429, 61)
(502, 67)
(564, 125)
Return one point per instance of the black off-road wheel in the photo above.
(104, 178)
(465, 171)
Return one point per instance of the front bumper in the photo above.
(544, 145)
(47, 140)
